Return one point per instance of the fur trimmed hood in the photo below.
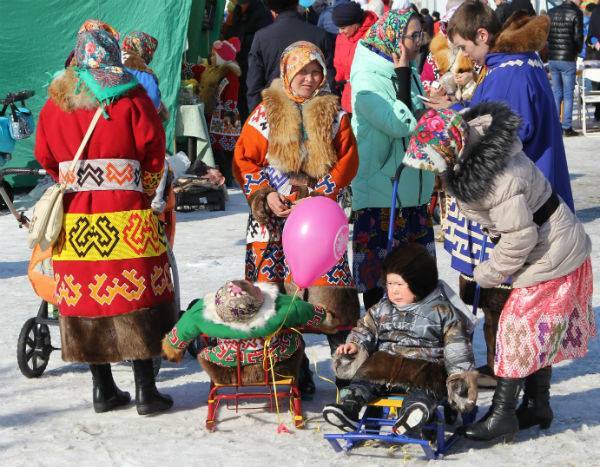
(492, 141)
(62, 91)
(522, 33)
(287, 151)
(266, 311)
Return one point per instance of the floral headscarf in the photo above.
(96, 24)
(295, 57)
(437, 141)
(385, 35)
(98, 65)
(140, 43)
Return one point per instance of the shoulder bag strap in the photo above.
(86, 138)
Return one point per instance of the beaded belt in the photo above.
(101, 174)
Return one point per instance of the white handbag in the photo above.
(46, 222)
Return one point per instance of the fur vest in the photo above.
(288, 121)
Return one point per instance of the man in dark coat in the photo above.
(270, 42)
(565, 40)
(503, 10)
(248, 17)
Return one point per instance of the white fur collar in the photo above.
(266, 312)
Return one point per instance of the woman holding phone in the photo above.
(386, 94)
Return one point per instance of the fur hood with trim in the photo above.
(267, 310)
(522, 33)
(286, 124)
(493, 140)
(70, 94)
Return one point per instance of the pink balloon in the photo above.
(315, 237)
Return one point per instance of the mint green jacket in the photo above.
(382, 125)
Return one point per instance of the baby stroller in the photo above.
(433, 440)
(34, 344)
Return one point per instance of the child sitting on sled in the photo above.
(416, 340)
(241, 315)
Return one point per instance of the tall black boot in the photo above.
(535, 408)
(106, 395)
(147, 398)
(501, 419)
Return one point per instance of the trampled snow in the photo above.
(50, 420)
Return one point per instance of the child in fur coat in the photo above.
(415, 340)
(242, 314)
(540, 243)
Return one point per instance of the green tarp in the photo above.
(36, 37)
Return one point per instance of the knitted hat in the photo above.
(346, 14)
(227, 50)
(238, 301)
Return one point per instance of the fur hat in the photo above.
(415, 265)
(227, 50)
(238, 301)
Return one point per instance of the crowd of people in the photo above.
(372, 91)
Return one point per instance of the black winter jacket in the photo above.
(566, 32)
(503, 11)
(270, 42)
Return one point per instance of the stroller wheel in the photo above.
(33, 348)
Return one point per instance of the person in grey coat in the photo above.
(416, 340)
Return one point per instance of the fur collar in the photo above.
(286, 120)
(485, 157)
(62, 92)
(522, 33)
(266, 312)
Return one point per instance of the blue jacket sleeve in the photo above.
(149, 83)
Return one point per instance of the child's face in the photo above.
(398, 291)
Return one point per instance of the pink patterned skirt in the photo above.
(546, 323)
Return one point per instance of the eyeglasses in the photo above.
(415, 36)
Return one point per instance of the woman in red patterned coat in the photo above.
(114, 289)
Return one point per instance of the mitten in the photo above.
(462, 390)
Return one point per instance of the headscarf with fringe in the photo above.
(386, 34)
(295, 57)
(98, 65)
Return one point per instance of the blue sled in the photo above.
(442, 443)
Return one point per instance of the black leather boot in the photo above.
(147, 398)
(501, 419)
(535, 408)
(106, 395)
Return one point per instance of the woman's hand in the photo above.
(349, 348)
(401, 58)
(278, 204)
(438, 91)
(438, 103)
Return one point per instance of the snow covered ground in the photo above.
(50, 421)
